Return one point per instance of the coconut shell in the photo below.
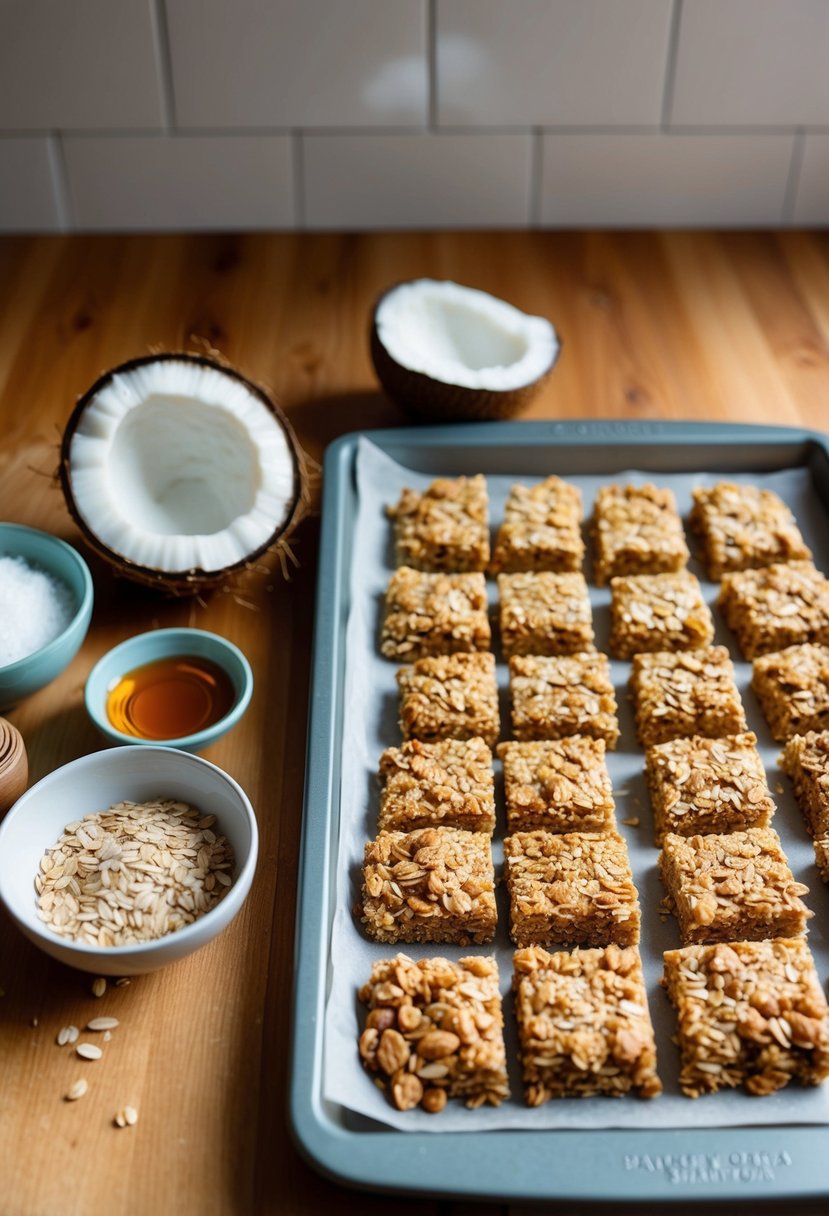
(191, 581)
(429, 400)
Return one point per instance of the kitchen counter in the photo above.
(727, 326)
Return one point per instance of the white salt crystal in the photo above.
(34, 609)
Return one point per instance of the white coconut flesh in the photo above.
(178, 466)
(465, 337)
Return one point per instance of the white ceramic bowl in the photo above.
(94, 783)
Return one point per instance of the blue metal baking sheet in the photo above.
(608, 1165)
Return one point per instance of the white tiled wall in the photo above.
(350, 114)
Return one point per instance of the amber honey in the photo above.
(170, 698)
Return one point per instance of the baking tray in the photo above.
(590, 1165)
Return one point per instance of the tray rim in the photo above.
(610, 1166)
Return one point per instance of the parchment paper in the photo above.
(371, 726)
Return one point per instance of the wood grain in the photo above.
(729, 326)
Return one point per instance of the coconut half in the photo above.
(179, 471)
(444, 351)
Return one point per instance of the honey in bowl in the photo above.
(170, 698)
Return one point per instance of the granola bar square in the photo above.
(636, 530)
(432, 614)
(571, 889)
(822, 857)
(772, 1029)
(449, 784)
(776, 606)
(687, 692)
(734, 886)
(792, 686)
(446, 527)
(545, 613)
(429, 885)
(741, 527)
(699, 785)
(805, 759)
(434, 1031)
(449, 697)
(583, 1024)
(541, 528)
(560, 785)
(658, 612)
(557, 696)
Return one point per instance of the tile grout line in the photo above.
(793, 176)
(669, 82)
(60, 181)
(161, 37)
(432, 66)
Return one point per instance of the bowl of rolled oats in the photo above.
(128, 859)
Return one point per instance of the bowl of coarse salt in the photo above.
(45, 609)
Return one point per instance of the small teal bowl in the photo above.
(162, 644)
(39, 549)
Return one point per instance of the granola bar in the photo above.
(449, 697)
(561, 785)
(701, 785)
(776, 606)
(749, 1013)
(449, 783)
(732, 887)
(658, 612)
(429, 885)
(805, 759)
(583, 1024)
(570, 889)
(545, 613)
(792, 686)
(435, 1030)
(445, 527)
(636, 530)
(553, 697)
(541, 528)
(690, 692)
(822, 857)
(741, 527)
(432, 614)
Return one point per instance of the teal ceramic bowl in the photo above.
(146, 648)
(45, 552)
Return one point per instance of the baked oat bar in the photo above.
(690, 692)
(435, 1030)
(545, 614)
(445, 527)
(429, 885)
(583, 1024)
(553, 697)
(805, 759)
(731, 887)
(449, 784)
(701, 785)
(431, 614)
(560, 785)
(741, 527)
(822, 857)
(449, 697)
(776, 606)
(792, 686)
(749, 1013)
(658, 612)
(573, 889)
(636, 530)
(541, 528)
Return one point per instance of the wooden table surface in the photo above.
(723, 326)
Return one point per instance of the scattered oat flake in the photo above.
(77, 1090)
(67, 1034)
(99, 986)
(102, 1024)
(127, 1116)
(122, 982)
(88, 1051)
(107, 1036)
(633, 822)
